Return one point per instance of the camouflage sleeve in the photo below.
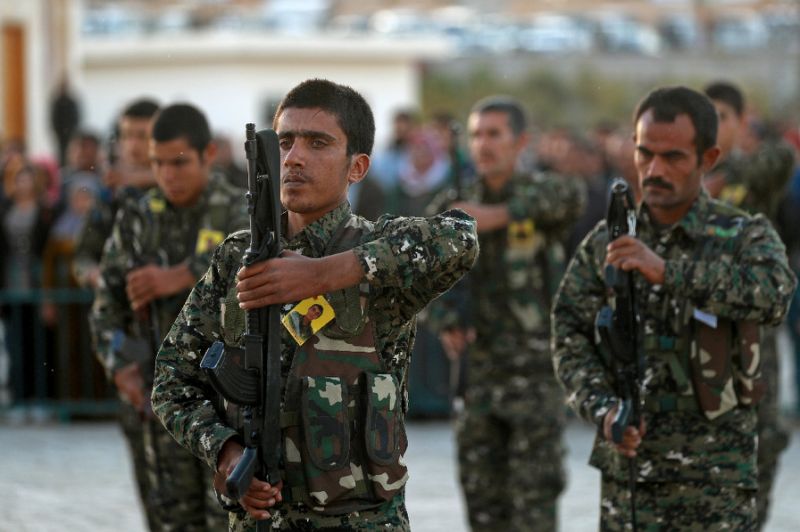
(111, 308)
(576, 358)
(549, 199)
(440, 202)
(766, 173)
(753, 283)
(89, 245)
(236, 220)
(182, 395)
(419, 257)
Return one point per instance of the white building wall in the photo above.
(233, 81)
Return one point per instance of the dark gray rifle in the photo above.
(251, 377)
(619, 327)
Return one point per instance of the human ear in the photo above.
(358, 168)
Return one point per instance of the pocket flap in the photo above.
(325, 423)
(383, 407)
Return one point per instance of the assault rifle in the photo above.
(619, 326)
(251, 377)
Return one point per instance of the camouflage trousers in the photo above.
(390, 517)
(510, 456)
(772, 435)
(670, 506)
(180, 494)
(131, 424)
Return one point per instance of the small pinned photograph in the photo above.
(307, 317)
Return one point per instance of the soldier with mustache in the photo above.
(706, 275)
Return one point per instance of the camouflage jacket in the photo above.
(512, 284)
(757, 183)
(152, 231)
(406, 261)
(97, 229)
(719, 261)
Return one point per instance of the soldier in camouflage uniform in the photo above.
(509, 434)
(705, 274)
(160, 245)
(755, 182)
(128, 178)
(376, 277)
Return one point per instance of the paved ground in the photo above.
(76, 478)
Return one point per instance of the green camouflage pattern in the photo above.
(96, 230)
(332, 420)
(388, 517)
(167, 237)
(773, 436)
(718, 384)
(720, 261)
(509, 434)
(407, 262)
(692, 506)
(180, 497)
(151, 231)
(757, 184)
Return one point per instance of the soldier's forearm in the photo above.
(340, 271)
(487, 217)
(180, 278)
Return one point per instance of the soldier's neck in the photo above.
(496, 182)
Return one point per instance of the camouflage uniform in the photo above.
(97, 229)
(757, 184)
(509, 435)
(88, 252)
(407, 262)
(700, 428)
(151, 230)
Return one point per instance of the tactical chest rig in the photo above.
(341, 418)
(714, 361)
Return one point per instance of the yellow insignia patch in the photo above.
(520, 234)
(157, 205)
(207, 240)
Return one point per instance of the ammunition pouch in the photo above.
(726, 366)
(343, 442)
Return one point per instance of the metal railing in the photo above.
(50, 368)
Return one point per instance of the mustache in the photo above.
(657, 181)
(294, 176)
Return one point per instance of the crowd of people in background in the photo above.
(133, 219)
(45, 202)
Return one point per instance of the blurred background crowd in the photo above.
(69, 68)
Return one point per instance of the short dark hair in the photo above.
(182, 120)
(142, 108)
(85, 135)
(352, 112)
(727, 93)
(669, 102)
(504, 104)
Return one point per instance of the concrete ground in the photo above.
(76, 478)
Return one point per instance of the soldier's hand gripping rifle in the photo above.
(255, 385)
(619, 326)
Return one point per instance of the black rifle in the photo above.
(619, 326)
(256, 385)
